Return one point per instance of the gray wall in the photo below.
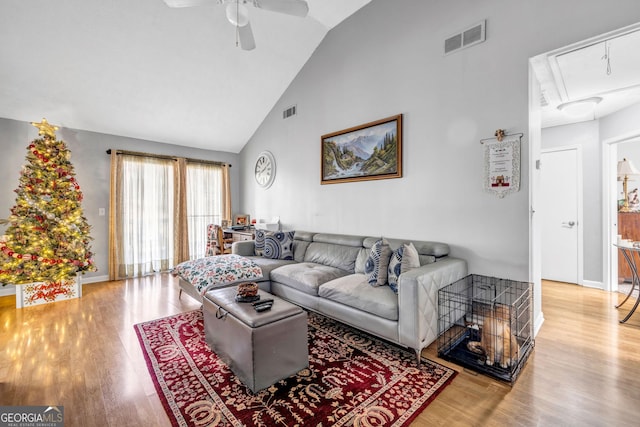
(91, 164)
(621, 123)
(387, 59)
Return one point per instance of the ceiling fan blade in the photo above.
(289, 7)
(245, 35)
(185, 3)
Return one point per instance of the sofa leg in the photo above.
(418, 357)
(180, 293)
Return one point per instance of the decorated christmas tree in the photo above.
(47, 239)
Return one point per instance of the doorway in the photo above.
(562, 77)
(561, 214)
(611, 195)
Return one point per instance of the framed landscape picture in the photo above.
(361, 153)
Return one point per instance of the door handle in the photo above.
(569, 224)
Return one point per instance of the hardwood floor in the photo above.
(84, 354)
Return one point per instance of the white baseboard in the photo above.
(592, 284)
(94, 279)
(7, 290)
(537, 324)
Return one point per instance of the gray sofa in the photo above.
(327, 276)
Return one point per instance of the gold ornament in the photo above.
(45, 128)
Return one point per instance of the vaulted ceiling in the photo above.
(144, 70)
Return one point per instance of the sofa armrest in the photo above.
(418, 300)
(243, 248)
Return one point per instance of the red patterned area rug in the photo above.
(353, 379)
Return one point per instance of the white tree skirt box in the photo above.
(31, 294)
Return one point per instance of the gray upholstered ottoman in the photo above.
(260, 348)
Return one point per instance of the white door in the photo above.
(560, 197)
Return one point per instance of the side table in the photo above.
(632, 255)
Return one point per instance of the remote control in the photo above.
(264, 301)
(263, 307)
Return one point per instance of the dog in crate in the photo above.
(497, 342)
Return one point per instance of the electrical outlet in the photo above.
(101, 211)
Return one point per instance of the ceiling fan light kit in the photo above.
(238, 14)
(580, 107)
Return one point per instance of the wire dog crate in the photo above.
(486, 324)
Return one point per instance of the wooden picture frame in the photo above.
(242, 219)
(362, 153)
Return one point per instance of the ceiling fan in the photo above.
(238, 14)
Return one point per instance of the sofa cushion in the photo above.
(361, 260)
(306, 276)
(339, 239)
(299, 248)
(428, 251)
(403, 259)
(354, 291)
(377, 263)
(267, 265)
(305, 236)
(333, 255)
(427, 259)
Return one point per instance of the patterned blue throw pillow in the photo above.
(259, 242)
(395, 265)
(278, 244)
(403, 259)
(377, 263)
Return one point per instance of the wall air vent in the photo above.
(467, 37)
(291, 111)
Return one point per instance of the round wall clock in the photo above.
(265, 171)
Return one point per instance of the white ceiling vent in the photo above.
(291, 111)
(468, 37)
(543, 99)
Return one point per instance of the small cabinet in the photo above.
(628, 228)
(243, 235)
